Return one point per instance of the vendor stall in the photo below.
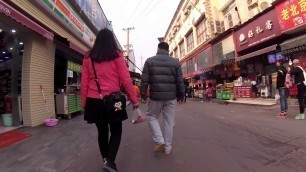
(243, 89)
(224, 91)
(68, 101)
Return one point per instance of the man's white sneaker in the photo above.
(167, 151)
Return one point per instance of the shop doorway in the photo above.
(11, 53)
(67, 82)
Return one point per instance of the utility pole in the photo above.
(128, 40)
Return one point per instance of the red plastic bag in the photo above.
(139, 117)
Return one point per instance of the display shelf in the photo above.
(225, 91)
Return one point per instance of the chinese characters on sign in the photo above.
(291, 14)
(74, 67)
(257, 31)
(269, 25)
(250, 34)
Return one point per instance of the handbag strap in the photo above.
(96, 78)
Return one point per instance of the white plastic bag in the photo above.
(277, 97)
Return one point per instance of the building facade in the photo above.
(43, 44)
(197, 22)
(201, 35)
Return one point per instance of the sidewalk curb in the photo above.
(219, 101)
(240, 103)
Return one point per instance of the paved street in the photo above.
(208, 137)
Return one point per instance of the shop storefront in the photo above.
(50, 40)
(195, 69)
(257, 46)
(67, 84)
(20, 37)
(11, 54)
(225, 71)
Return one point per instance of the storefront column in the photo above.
(37, 69)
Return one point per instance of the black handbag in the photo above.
(114, 103)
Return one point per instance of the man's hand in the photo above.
(180, 100)
(143, 101)
(289, 69)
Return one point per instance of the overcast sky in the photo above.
(150, 18)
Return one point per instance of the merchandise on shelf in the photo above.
(225, 91)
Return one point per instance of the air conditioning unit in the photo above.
(264, 4)
(252, 2)
(218, 27)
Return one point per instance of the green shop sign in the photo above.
(74, 67)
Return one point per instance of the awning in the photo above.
(294, 50)
(228, 61)
(76, 48)
(293, 43)
(16, 15)
(207, 69)
(256, 53)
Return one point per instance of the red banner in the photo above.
(291, 14)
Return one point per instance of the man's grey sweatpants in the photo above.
(167, 108)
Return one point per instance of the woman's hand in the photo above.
(135, 107)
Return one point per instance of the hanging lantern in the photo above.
(235, 68)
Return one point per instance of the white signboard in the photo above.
(69, 73)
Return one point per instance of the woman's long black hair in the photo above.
(105, 47)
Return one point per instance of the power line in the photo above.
(133, 12)
(134, 64)
(140, 16)
(145, 15)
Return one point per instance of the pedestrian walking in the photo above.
(103, 70)
(189, 90)
(210, 91)
(282, 89)
(163, 75)
(136, 89)
(186, 93)
(299, 79)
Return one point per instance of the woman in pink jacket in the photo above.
(112, 72)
